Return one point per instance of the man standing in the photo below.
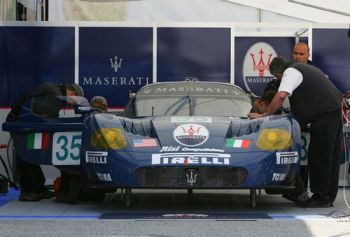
(315, 100)
(301, 53)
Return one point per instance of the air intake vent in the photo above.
(137, 126)
(244, 127)
(177, 177)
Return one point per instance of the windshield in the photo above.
(192, 98)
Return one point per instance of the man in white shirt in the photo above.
(315, 100)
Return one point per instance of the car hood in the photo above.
(186, 133)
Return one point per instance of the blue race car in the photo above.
(190, 135)
(185, 135)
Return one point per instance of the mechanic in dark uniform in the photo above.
(46, 103)
(301, 53)
(315, 100)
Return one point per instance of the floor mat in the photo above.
(199, 215)
(12, 194)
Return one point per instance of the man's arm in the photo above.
(275, 105)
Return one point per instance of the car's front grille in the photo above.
(206, 177)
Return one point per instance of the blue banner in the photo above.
(30, 56)
(193, 53)
(114, 61)
(252, 59)
(331, 53)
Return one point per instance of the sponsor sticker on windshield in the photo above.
(191, 119)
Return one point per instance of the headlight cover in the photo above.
(271, 139)
(108, 138)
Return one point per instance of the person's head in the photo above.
(100, 103)
(74, 90)
(301, 52)
(277, 67)
(261, 105)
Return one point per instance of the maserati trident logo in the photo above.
(191, 134)
(116, 64)
(261, 66)
(191, 177)
(256, 64)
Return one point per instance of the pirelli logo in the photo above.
(96, 157)
(191, 158)
(286, 158)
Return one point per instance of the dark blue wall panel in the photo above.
(30, 56)
(202, 53)
(331, 53)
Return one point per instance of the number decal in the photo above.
(76, 142)
(66, 148)
(305, 140)
(63, 148)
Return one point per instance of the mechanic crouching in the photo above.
(45, 102)
(315, 100)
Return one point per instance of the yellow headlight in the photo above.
(274, 139)
(108, 138)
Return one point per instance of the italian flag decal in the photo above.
(238, 143)
(38, 141)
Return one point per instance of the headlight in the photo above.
(108, 138)
(274, 139)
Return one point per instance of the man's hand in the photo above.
(255, 115)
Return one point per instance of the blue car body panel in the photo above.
(166, 151)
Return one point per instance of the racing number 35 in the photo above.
(66, 148)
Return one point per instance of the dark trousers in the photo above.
(324, 155)
(31, 177)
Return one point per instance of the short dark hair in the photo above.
(278, 65)
(78, 90)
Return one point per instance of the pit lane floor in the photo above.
(174, 213)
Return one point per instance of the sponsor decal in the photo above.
(38, 141)
(169, 148)
(256, 64)
(286, 158)
(188, 89)
(104, 177)
(178, 148)
(191, 134)
(96, 157)
(278, 176)
(191, 158)
(145, 142)
(238, 143)
(202, 149)
(191, 119)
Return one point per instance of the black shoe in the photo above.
(74, 190)
(61, 197)
(46, 194)
(30, 197)
(290, 197)
(299, 199)
(316, 202)
(302, 199)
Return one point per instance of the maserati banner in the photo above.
(252, 59)
(114, 61)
